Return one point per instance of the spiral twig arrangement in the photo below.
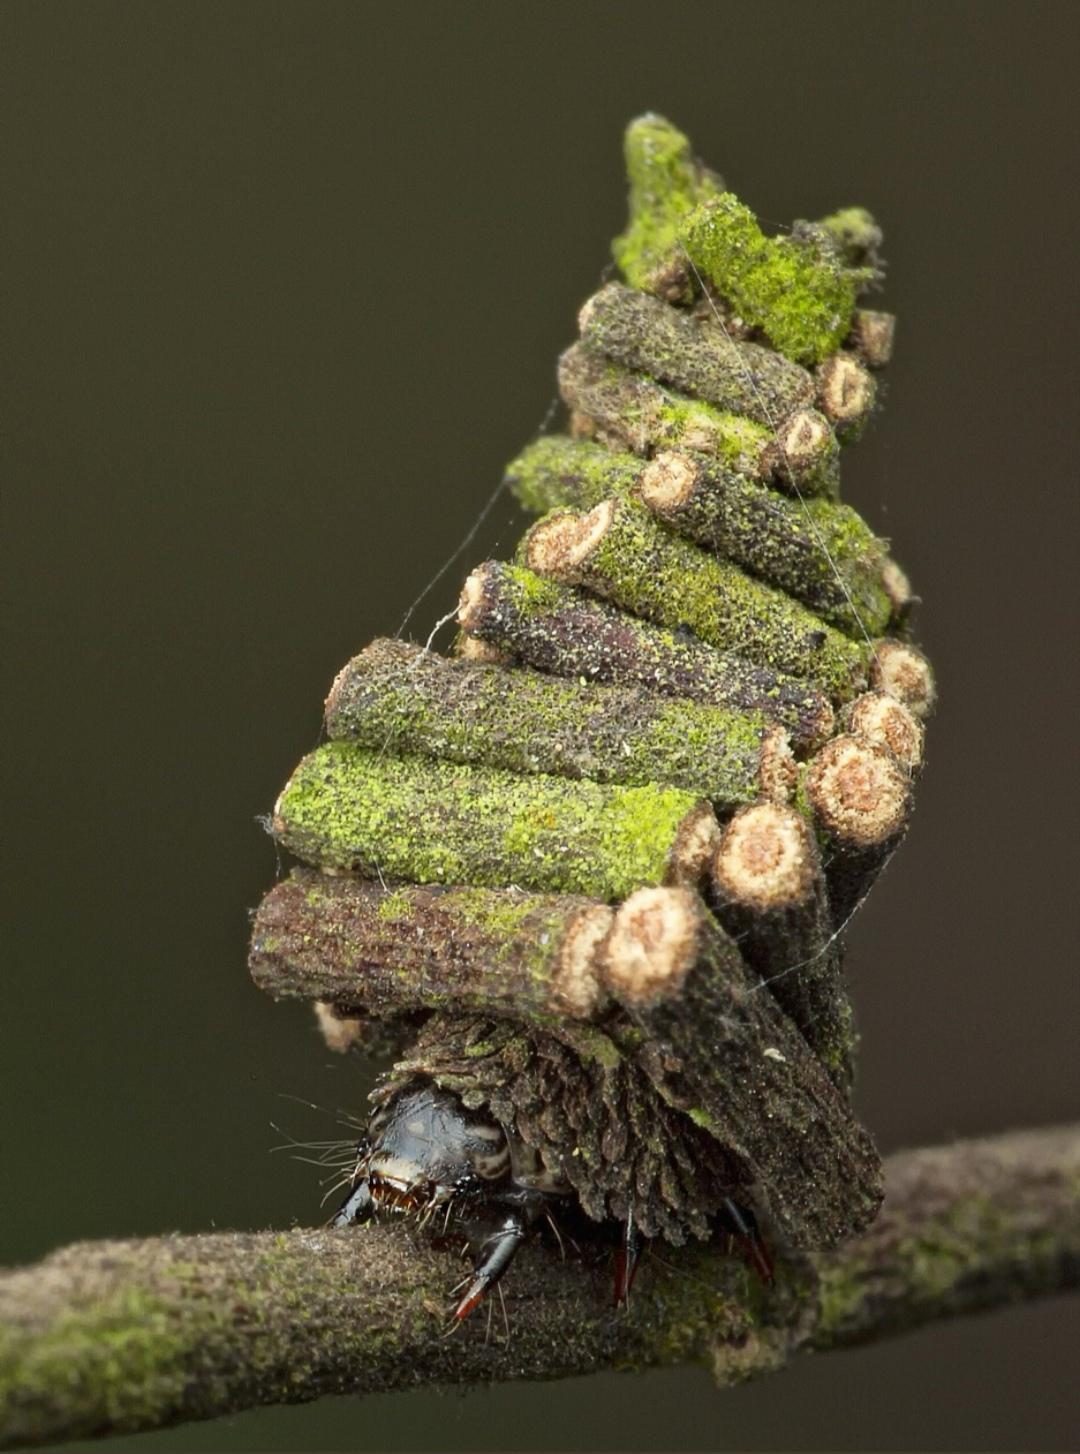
(601, 859)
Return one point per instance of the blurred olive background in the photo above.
(284, 288)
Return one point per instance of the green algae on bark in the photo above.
(557, 470)
(427, 821)
(631, 411)
(798, 289)
(694, 354)
(389, 952)
(817, 550)
(666, 183)
(634, 412)
(400, 698)
(562, 631)
(621, 552)
(106, 1338)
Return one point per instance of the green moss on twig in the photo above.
(436, 822)
(665, 184)
(798, 289)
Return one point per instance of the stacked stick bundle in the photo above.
(606, 852)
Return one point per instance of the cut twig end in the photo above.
(884, 720)
(668, 480)
(872, 336)
(471, 600)
(803, 440)
(575, 985)
(766, 859)
(858, 791)
(903, 672)
(845, 390)
(898, 589)
(696, 841)
(779, 770)
(333, 695)
(339, 1032)
(471, 648)
(653, 944)
(557, 545)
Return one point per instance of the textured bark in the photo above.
(427, 821)
(386, 952)
(107, 1338)
(556, 471)
(694, 355)
(818, 551)
(632, 411)
(620, 551)
(567, 633)
(399, 698)
(717, 1046)
(770, 895)
(586, 1103)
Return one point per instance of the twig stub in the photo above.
(729, 1058)
(429, 821)
(618, 550)
(559, 630)
(387, 952)
(399, 698)
(770, 893)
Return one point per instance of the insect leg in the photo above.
(626, 1259)
(742, 1226)
(497, 1251)
(357, 1206)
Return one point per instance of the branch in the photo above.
(111, 1337)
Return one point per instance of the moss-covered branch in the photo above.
(559, 630)
(619, 551)
(428, 821)
(110, 1337)
(397, 697)
(631, 411)
(799, 289)
(693, 354)
(817, 550)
